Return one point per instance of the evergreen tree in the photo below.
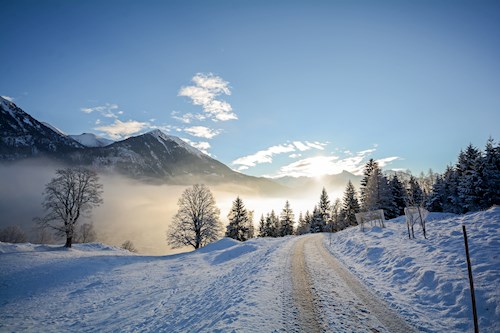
(317, 223)
(337, 217)
(378, 194)
(304, 226)
(470, 183)
(491, 175)
(262, 226)
(240, 226)
(436, 197)
(399, 196)
(287, 220)
(451, 202)
(369, 167)
(324, 211)
(415, 193)
(350, 205)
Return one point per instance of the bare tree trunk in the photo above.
(69, 241)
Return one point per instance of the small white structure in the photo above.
(415, 215)
(373, 217)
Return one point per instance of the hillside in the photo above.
(248, 286)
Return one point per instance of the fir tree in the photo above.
(317, 222)
(491, 175)
(369, 167)
(304, 226)
(378, 195)
(262, 226)
(350, 205)
(240, 225)
(415, 193)
(399, 197)
(324, 211)
(337, 217)
(287, 220)
(470, 182)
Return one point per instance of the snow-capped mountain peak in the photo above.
(91, 140)
(159, 135)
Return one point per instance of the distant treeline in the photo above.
(472, 184)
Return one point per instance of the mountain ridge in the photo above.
(152, 157)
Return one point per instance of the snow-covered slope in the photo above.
(427, 279)
(91, 140)
(246, 287)
(226, 286)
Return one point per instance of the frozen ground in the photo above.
(250, 287)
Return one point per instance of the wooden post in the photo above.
(471, 282)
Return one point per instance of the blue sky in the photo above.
(267, 87)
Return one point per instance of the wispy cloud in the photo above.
(205, 92)
(330, 165)
(120, 130)
(202, 132)
(107, 110)
(202, 146)
(263, 156)
(188, 117)
(10, 99)
(266, 155)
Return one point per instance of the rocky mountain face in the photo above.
(153, 156)
(23, 136)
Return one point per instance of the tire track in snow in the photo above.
(302, 294)
(363, 308)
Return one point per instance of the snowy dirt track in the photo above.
(332, 299)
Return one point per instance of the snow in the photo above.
(226, 286)
(233, 286)
(91, 140)
(55, 129)
(427, 279)
(161, 137)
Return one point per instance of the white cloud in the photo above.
(202, 146)
(330, 165)
(263, 156)
(300, 146)
(10, 99)
(120, 130)
(202, 132)
(385, 161)
(188, 117)
(316, 145)
(205, 92)
(106, 110)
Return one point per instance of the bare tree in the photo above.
(85, 234)
(12, 234)
(129, 246)
(67, 197)
(197, 221)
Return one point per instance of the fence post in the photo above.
(471, 282)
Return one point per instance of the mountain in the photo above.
(91, 140)
(23, 136)
(338, 181)
(153, 156)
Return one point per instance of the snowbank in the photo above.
(426, 279)
(223, 287)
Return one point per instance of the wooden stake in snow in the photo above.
(471, 282)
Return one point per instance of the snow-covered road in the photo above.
(289, 284)
(330, 298)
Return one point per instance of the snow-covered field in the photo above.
(426, 280)
(246, 287)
